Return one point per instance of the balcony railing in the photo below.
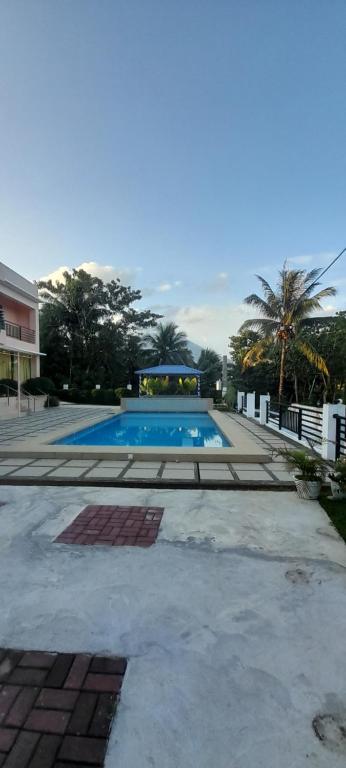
(20, 332)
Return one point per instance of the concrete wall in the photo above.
(161, 403)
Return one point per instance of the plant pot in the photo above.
(336, 490)
(307, 489)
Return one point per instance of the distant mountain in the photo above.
(195, 349)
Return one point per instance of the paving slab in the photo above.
(245, 465)
(80, 463)
(30, 472)
(212, 465)
(253, 475)
(67, 472)
(108, 464)
(146, 465)
(143, 474)
(179, 465)
(215, 474)
(48, 462)
(283, 476)
(15, 462)
(6, 470)
(178, 474)
(105, 473)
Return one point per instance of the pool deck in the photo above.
(33, 437)
(26, 459)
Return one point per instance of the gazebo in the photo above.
(170, 371)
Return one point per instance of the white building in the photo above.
(19, 327)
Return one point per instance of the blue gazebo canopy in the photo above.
(169, 370)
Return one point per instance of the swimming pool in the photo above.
(194, 430)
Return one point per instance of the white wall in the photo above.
(185, 404)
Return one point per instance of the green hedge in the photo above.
(39, 385)
(91, 397)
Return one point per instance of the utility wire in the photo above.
(328, 267)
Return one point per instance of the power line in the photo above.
(328, 267)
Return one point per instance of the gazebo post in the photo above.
(198, 386)
(140, 385)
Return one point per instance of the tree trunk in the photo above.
(296, 387)
(282, 369)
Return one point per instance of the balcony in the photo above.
(20, 332)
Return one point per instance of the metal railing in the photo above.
(340, 436)
(16, 331)
(302, 421)
(26, 396)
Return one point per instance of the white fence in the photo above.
(324, 427)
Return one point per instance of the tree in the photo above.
(284, 313)
(87, 328)
(210, 363)
(168, 346)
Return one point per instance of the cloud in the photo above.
(164, 287)
(103, 271)
(205, 324)
(220, 282)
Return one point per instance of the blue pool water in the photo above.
(188, 430)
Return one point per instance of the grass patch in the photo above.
(336, 511)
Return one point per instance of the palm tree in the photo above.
(210, 363)
(168, 345)
(284, 314)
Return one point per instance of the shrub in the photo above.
(309, 467)
(5, 384)
(51, 402)
(39, 385)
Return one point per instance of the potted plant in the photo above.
(308, 472)
(337, 479)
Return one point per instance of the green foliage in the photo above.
(309, 467)
(283, 312)
(210, 363)
(304, 384)
(164, 386)
(90, 331)
(336, 511)
(91, 396)
(7, 385)
(231, 396)
(39, 385)
(167, 346)
(339, 473)
(51, 402)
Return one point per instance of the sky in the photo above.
(184, 146)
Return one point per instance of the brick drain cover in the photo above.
(114, 526)
(56, 709)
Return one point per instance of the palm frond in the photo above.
(264, 325)
(312, 356)
(255, 354)
(255, 301)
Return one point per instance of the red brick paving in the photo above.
(114, 526)
(63, 720)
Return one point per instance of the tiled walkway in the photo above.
(19, 430)
(60, 470)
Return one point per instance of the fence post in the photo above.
(240, 396)
(250, 405)
(329, 428)
(337, 435)
(280, 416)
(264, 399)
(300, 422)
